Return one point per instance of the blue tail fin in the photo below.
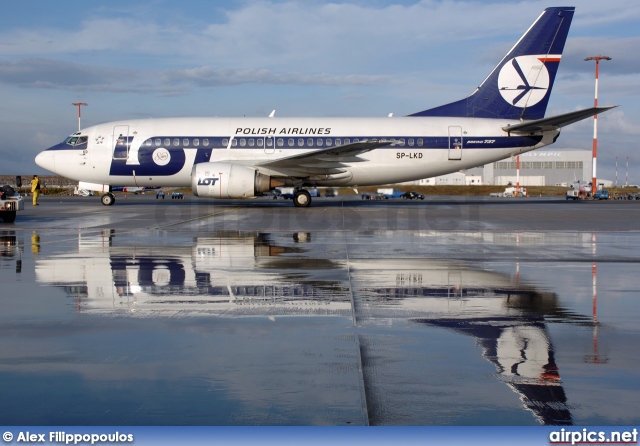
(520, 85)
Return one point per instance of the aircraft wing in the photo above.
(319, 161)
(554, 122)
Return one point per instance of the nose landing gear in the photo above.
(108, 199)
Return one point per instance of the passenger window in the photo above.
(280, 142)
(310, 142)
(225, 142)
(176, 142)
(269, 142)
(234, 143)
(300, 142)
(347, 141)
(420, 142)
(319, 142)
(290, 142)
(328, 142)
(252, 142)
(411, 142)
(185, 142)
(260, 142)
(158, 141)
(338, 142)
(356, 139)
(167, 142)
(196, 142)
(205, 142)
(243, 142)
(402, 142)
(147, 142)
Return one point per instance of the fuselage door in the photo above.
(269, 145)
(455, 142)
(121, 142)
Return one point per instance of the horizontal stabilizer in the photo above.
(554, 122)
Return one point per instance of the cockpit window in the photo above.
(77, 140)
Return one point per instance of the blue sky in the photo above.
(157, 58)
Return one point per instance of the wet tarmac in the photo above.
(451, 311)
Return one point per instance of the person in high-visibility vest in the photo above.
(35, 189)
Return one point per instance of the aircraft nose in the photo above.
(46, 160)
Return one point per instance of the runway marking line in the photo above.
(196, 218)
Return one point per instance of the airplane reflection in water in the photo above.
(238, 275)
(523, 355)
(241, 275)
(506, 318)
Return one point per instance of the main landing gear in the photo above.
(108, 199)
(302, 198)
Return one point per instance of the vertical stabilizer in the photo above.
(519, 87)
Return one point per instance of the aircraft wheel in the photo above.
(108, 199)
(302, 199)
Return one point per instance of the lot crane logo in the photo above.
(524, 80)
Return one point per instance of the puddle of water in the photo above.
(421, 328)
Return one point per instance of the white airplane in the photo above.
(245, 157)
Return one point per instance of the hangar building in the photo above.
(537, 168)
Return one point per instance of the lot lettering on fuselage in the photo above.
(207, 181)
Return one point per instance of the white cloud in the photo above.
(52, 74)
(207, 77)
(619, 49)
(300, 36)
(615, 122)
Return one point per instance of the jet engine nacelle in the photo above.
(227, 180)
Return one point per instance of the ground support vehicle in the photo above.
(10, 203)
(601, 195)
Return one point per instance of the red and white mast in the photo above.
(594, 184)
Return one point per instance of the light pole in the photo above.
(626, 178)
(594, 184)
(79, 104)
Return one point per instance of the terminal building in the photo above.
(537, 168)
